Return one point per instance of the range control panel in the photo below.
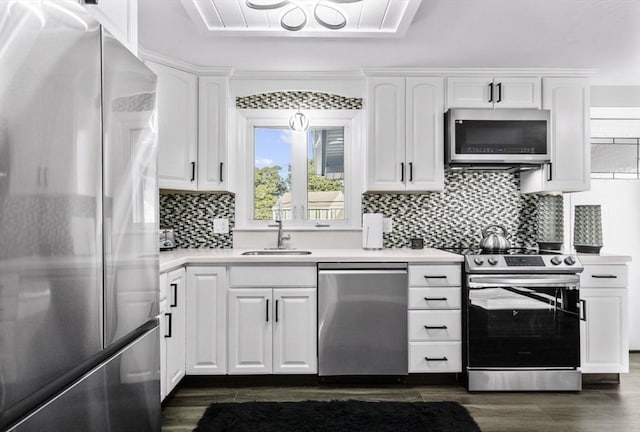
(522, 264)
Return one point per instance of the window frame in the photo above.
(350, 120)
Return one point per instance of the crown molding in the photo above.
(547, 72)
(146, 54)
(297, 75)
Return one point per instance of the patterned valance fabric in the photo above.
(298, 99)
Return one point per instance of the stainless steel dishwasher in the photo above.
(362, 319)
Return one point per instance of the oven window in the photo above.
(523, 327)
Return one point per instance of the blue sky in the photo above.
(273, 147)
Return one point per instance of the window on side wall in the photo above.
(309, 179)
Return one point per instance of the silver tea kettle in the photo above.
(493, 240)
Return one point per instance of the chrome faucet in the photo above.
(281, 238)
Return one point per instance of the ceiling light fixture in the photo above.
(298, 122)
(295, 18)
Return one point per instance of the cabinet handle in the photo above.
(604, 276)
(410, 171)
(435, 276)
(402, 171)
(435, 299)
(442, 327)
(550, 172)
(436, 359)
(499, 92)
(168, 315)
(490, 92)
(175, 295)
(267, 310)
(583, 309)
(193, 171)
(221, 165)
(276, 310)
(92, 2)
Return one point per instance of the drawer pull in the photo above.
(435, 276)
(435, 299)
(442, 327)
(436, 359)
(604, 276)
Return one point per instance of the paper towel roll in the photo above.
(372, 231)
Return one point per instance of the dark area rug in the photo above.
(335, 416)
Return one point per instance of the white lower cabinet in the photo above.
(172, 333)
(207, 320)
(435, 330)
(272, 329)
(604, 335)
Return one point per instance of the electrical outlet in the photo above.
(221, 226)
(387, 225)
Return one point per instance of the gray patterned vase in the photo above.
(550, 222)
(587, 233)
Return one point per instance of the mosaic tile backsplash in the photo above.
(191, 216)
(298, 99)
(455, 217)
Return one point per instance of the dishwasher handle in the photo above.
(360, 272)
(369, 266)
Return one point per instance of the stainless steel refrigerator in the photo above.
(79, 340)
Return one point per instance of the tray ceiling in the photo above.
(365, 18)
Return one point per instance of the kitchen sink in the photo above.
(277, 252)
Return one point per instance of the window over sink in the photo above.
(311, 178)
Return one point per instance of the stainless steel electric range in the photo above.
(521, 321)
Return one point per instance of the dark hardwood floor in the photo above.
(598, 408)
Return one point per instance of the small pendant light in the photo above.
(298, 122)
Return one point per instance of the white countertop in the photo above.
(604, 258)
(179, 257)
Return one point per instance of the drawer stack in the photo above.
(435, 343)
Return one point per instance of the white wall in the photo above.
(620, 201)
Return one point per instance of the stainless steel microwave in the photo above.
(497, 139)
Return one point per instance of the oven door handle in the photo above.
(509, 281)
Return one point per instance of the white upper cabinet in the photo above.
(570, 167)
(177, 127)
(120, 18)
(405, 136)
(493, 92)
(212, 133)
(192, 135)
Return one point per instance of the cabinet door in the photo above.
(424, 137)
(206, 323)
(213, 173)
(516, 92)
(386, 166)
(604, 338)
(177, 127)
(570, 167)
(164, 332)
(294, 331)
(469, 92)
(250, 338)
(120, 18)
(176, 308)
